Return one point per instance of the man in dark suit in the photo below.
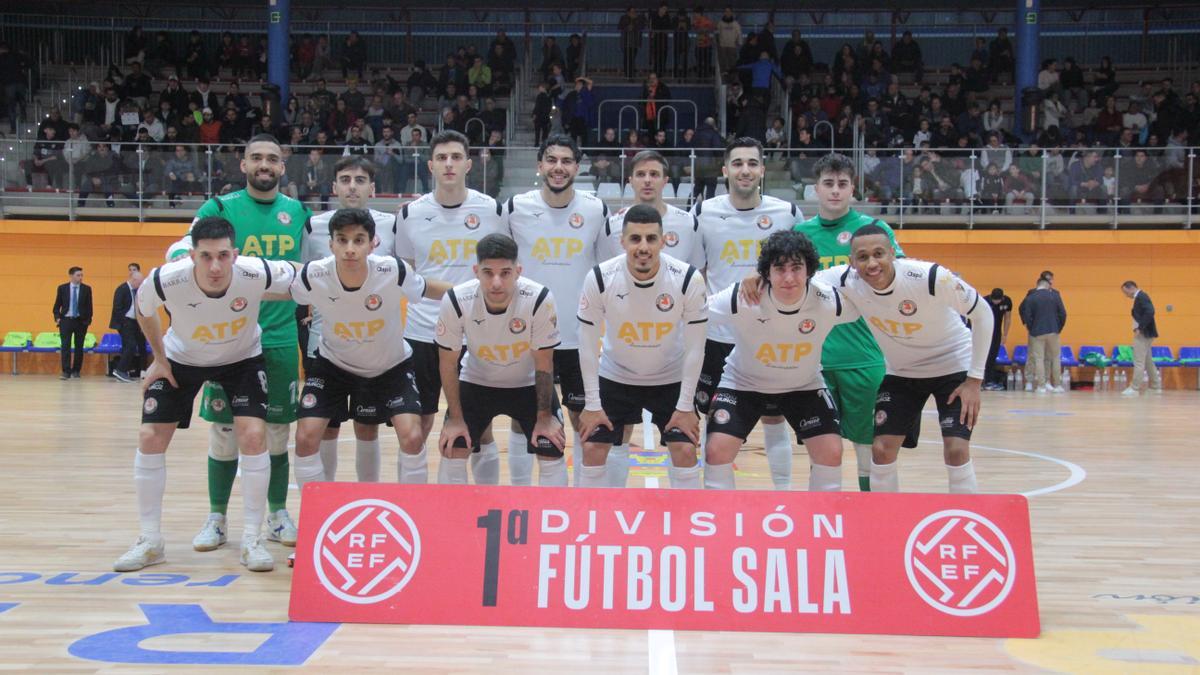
(124, 322)
(1144, 332)
(73, 314)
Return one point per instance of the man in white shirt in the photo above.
(509, 327)
(915, 310)
(560, 234)
(775, 365)
(437, 234)
(652, 310)
(213, 298)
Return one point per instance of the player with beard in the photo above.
(559, 232)
(270, 225)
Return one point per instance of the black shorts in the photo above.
(482, 404)
(569, 378)
(715, 354)
(623, 403)
(425, 364)
(810, 413)
(330, 392)
(244, 382)
(901, 399)
(307, 362)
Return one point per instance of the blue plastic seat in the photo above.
(1189, 356)
(1020, 354)
(110, 343)
(1067, 357)
(1163, 358)
(1002, 357)
(1122, 356)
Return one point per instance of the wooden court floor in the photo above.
(1115, 514)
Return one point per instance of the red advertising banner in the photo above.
(910, 564)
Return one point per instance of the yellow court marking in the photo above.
(1161, 643)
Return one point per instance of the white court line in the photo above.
(660, 644)
(1078, 473)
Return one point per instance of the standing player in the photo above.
(437, 234)
(362, 364)
(509, 328)
(353, 185)
(731, 229)
(214, 299)
(652, 309)
(775, 365)
(648, 175)
(270, 225)
(915, 310)
(558, 231)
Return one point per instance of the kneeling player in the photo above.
(363, 358)
(775, 365)
(509, 326)
(653, 310)
(213, 298)
(915, 310)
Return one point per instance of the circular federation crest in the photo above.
(664, 302)
(366, 551)
(960, 563)
(671, 239)
(471, 222)
(908, 307)
(843, 238)
(373, 302)
(576, 220)
(807, 326)
(284, 218)
(721, 416)
(238, 304)
(517, 325)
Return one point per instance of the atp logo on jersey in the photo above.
(357, 330)
(737, 250)
(763, 222)
(895, 328)
(664, 302)
(471, 222)
(449, 250)
(219, 331)
(827, 261)
(558, 248)
(769, 353)
(516, 326)
(270, 246)
(908, 307)
(644, 333)
(807, 326)
(843, 238)
(575, 221)
(502, 354)
(238, 304)
(284, 218)
(373, 302)
(671, 239)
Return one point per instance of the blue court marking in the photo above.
(5, 606)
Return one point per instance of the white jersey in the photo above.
(440, 241)
(731, 239)
(315, 245)
(643, 320)
(680, 235)
(363, 329)
(778, 347)
(208, 331)
(557, 246)
(918, 319)
(500, 347)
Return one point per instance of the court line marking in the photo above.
(660, 644)
(1078, 473)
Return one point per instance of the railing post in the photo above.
(974, 194)
(208, 191)
(1116, 197)
(141, 160)
(70, 187)
(1191, 196)
(1045, 197)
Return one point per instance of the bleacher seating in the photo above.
(16, 342)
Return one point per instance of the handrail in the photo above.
(662, 104)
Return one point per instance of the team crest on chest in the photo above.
(516, 326)
(671, 239)
(284, 218)
(908, 307)
(471, 222)
(575, 221)
(807, 326)
(664, 302)
(238, 304)
(763, 222)
(843, 238)
(373, 302)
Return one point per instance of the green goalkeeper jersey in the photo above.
(849, 345)
(270, 230)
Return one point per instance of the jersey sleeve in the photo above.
(545, 324)
(722, 305)
(608, 241)
(412, 285)
(845, 312)
(832, 277)
(280, 275)
(591, 299)
(696, 255)
(695, 299)
(448, 334)
(957, 293)
(404, 244)
(301, 288)
(150, 294)
(208, 208)
(179, 249)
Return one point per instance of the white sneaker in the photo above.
(1045, 389)
(1155, 390)
(146, 551)
(1028, 386)
(212, 535)
(1058, 390)
(1130, 392)
(255, 556)
(280, 528)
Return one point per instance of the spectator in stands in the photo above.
(976, 79)
(551, 55)
(305, 56)
(1048, 79)
(406, 134)
(135, 46)
(421, 83)
(340, 119)
(969, 178)
(415, 144)
(679, 44)
(661, 25)
(204, 96)
(153, 126)
(479, 75)
(452, 79)
(996, 122)
(1054, 113)
(245, 58)
(946, 183)
(1138, 180)
(1071, 80)
(653, 91)
(1104, 79)
(356, 101)
(375, 116)
(101, 172)
(797, 58)
(605, 168)
(488, 170)
(323, 55)
(356, 143)
(318, 179)
(1109, 123)
(1001, 56)
(182, 173)
(995, 153)
(633, 143)
(1175, 155)
(175, 95)
(390, 156)
(729, 40)
(776, 134)
(137, 85)
(1086, 180)
(906, 57)
(762, 72)
(579, 111)
(1018, 188)
(709, 148)
(991, 188)
(47, 158)
(161, 55)
(227, 53)
(76, 148)
(195, 56)
(630, 25)
(354, 55)
(704, 28)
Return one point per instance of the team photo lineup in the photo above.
(705, 323)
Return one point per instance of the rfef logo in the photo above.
(960, 563)
(366, 551)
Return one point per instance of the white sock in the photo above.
(719, 477)
(577, 460)
(413, 468)
(222, 444)
(366, 461)
(452, 471)
(862, 452)
(310, 468)
(150, 481)
(520, 461)
(485, 464)
(778, 441)
(589, 476)
(885, 477)
(684, 477)
(328, 453)
(617, 466)
(256, 474)
(823, 478)
(552, 472)
(962, 478)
